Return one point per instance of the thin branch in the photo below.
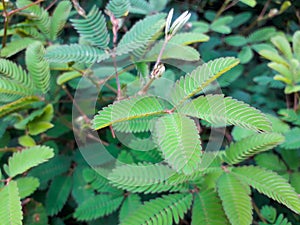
(78, 8)
(25, 7)
(86, 119)
(52, 4)
(258, 212)
(147, 86)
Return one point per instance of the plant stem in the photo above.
(86, 119)
(8, 15)
(296, 96)
(258, 212)
(226, 5)
(147, 86)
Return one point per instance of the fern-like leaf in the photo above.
(270, 184)
(235, 199)
(15, 46)
(263, 34)
(130, 205)
(98, 206)
(219, 111)
(125, 110)
(56, 166)
(161, 210)
(22, 161)
(178, 139)
(59, 18)
(200, 78)
(15, 72)
(249, 146)
(118, 8)
(93, 28)
(38, 67)
(58, 193)
(10, 205)
(140, 7)
(40, 16)
(141, 34)
(189, 38)
(11, 87)
(27, 185)
(296, 45)
(143, 178)
(17, 105)
(207, 209)
(283, 45)
(75, 53)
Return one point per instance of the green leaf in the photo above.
(236, 40)
(15, 46)
(295, 181)
(10, 205)
(245, 148)
(27, 185)
(143, 178)
(134, 108)
(235, 199)
(58, 165)
(75, 53)
(270, 184)
(219, 111)
(270, 161)
(59, 18)
(292, 139)
(220, 25)
(26, 141)
(158, 5)
(207, 209)
(245, 55)
(250, 3)
(118, 8)
(296, 44)
(188, 38)
(272, 56)
(93, 28)
(22, 161)
(65, 77)
(58, 194)
(178, 139)
(161, 210)
(200, 78)
(263, 34)
(36, 128)
(283, 45)
(172, 51)
(18, 105)
(97, 206)
(130, 205)
(142, 33)
(38, 67)
(269, 213)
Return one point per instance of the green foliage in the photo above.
(285, 62)
(59, 18)
(56, 198)
(235, 199)
(182, 152)
(249, 146)
(20, 162)
(98, 206)
(118, 8)
(10, 205)
(205, 208)
(93, 28)
(161, 210)
(270, 184)
(27, 185)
